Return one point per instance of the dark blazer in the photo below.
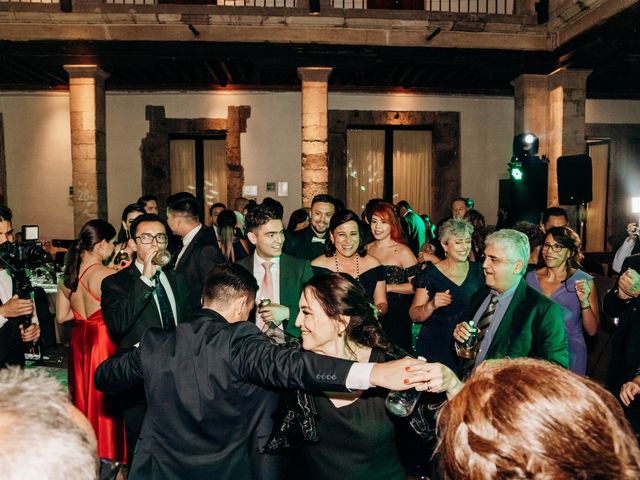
(201, 254)
(129, 310)
(294, 272)
(532, 326)
(625, 357)
(128, 306)
(203, 385)
(414, 230)
(301, 245)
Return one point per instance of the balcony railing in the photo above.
(488, 7)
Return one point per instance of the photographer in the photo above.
(13, 310)
(630, 246)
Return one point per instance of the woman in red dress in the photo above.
(79, 300)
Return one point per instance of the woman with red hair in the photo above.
(400, 266)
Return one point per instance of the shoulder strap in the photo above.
(85, 286)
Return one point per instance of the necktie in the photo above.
(485, 319)
(166, 313)
(266, 290)
(483, 323)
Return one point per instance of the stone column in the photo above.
(567, 98)
(315, 172)
(88, 144)
(553, 108)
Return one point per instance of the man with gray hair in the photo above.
(42, 435)
(512, 319)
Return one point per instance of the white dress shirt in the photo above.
(186, 240)
(167, 288)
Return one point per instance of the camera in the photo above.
(25, 260)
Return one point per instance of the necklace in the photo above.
(335, 256)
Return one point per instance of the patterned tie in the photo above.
(266, 291)
(485, 319)
(483, 323)
(166, 313)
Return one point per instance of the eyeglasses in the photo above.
(147, 238)
(556, 247)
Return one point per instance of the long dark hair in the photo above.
(339, 218)
(339, 294)
(92, 233)
(226, 229)
(123, 235)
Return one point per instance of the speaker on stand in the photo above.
(575, 187)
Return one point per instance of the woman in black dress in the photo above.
(443, 292)
(345, 252)
(356, 435)
(400, 266)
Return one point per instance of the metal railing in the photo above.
(489, 7)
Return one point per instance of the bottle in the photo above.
(161, 258)
(467, 349)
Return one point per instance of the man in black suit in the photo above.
(308, 243)
(13, 310)
(135, 299)
(623, 302)
(204, 383)
(199, 250)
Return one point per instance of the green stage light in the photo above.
(516, 173)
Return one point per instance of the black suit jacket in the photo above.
(301, 245)
(203, 387)
(201, 254)
(625, 357)
(128, 306)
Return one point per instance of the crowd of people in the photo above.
(241, 349)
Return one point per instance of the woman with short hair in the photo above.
(574, 290)
(443, 292)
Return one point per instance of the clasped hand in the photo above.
(408, 372)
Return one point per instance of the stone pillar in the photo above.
(315, 172)
(88, 144)
(236, 124)
(553, 108)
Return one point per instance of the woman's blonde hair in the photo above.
(531, 419)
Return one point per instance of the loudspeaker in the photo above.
(574, 179)
(528, 197)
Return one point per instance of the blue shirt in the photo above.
(504, 300)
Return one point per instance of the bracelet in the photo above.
(585, 307)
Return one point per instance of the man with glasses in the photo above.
(512, 319)
(139, 297)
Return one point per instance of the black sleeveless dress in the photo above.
(396, 323)
(357, 441)
(368, 279)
